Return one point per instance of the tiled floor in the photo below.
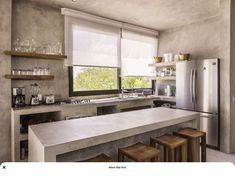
(217, 156)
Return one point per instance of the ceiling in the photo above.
(155, 14)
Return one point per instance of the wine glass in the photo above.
(16, 44)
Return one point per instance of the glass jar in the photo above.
(29, 72)
(16, 45)
(44, 71)
(23, 72)
(35, 71)
(20, 72)
(59, 48)
(48, 72)
(14, 72)
(40, 71)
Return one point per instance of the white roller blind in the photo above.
(138, 51)
(92, 44)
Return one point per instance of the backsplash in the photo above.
(29, 20)
(45, 25)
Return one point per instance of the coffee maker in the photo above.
(18, 97)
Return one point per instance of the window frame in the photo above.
(101, 92)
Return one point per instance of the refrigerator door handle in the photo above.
(207, 116)
(194, 86)
(191, 85)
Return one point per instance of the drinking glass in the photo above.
(35, 71)
(22, 47)
(32, 45)
(16, 44)
(44, 49)
(48, 71)
(40, 71)
(27, 45)
(59, 48)
(14, 72)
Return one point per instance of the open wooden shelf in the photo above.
(35, 55)
(163, 64)
(29, 77)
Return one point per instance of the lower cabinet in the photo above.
(135, 108)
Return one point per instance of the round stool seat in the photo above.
(139, 152)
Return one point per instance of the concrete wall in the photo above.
(207, 39)
(5, 85)
(201, 39)
(232, 78)
(45, 25)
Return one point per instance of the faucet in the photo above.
(123, 91)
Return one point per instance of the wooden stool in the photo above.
(139, 152)
(193, 135)
(99, 158)
(171, 147)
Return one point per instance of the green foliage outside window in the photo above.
(136, 82)
(97, 78)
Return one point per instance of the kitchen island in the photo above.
(71, 110)
(60, 141)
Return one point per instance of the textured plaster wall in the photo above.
(225, 130)
(207, 39)
(5, 85)
(45, 25)
(201, 39)
(232, 78)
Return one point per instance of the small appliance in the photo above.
(49, 99)
(35, 100)
(18, 97)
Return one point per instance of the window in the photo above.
(92, 48)
(93, 56)
(136, 83)
(137, 53)
(93, 80)
(103, 57)
(91, 44)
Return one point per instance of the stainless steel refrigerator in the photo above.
(197, 89)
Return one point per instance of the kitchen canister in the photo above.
(168, 57)
(176, 57)
(169, 90)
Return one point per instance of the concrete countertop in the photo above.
(51, 134)
(65, 136)
(104, 101)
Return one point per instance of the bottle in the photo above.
(168, 92)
